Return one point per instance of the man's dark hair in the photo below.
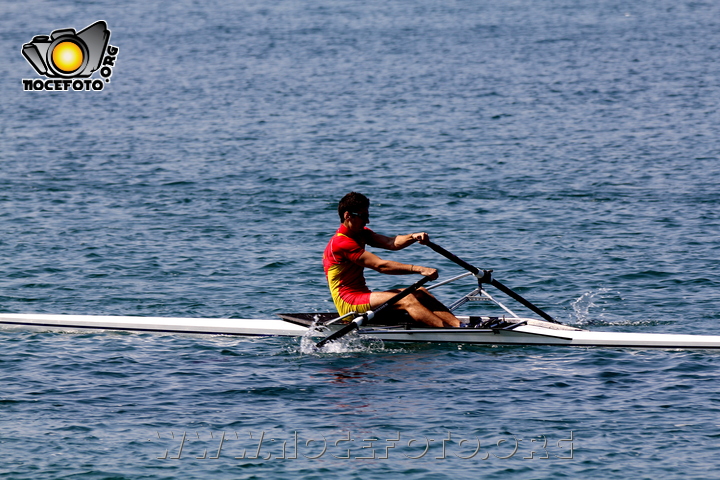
(352, 202)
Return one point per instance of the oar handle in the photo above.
(360, 319)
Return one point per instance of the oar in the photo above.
(360, 319)
(452, 257)
(488, 279)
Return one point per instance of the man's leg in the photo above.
(436, 307)
(416, 306)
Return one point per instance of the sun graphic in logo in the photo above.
(67, 56)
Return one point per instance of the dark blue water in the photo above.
(569, 145)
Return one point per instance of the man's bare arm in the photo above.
(389, 267)
(399, 241)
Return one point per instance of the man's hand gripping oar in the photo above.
(487, 278)
(361, 318)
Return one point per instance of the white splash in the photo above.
(350, 343)
(592, 300)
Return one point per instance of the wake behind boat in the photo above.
(508, 329)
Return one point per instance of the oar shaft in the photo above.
(492, 282)
(342, 332)
(402, 294)
(520, 299)
(453, 258)
(358, 321)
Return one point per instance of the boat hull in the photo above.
(533, 335)
(204, 326)
(529, 332)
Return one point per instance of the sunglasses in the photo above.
(361, 216)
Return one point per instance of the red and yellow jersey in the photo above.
(345, 277)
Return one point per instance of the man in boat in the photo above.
(345, 259)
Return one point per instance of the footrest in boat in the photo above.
(492, 323)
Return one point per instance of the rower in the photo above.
(345, 259)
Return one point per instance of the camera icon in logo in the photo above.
(68, 54)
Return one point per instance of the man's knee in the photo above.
(423, 294)
(410, 300)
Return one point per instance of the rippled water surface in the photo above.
(571, 146)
